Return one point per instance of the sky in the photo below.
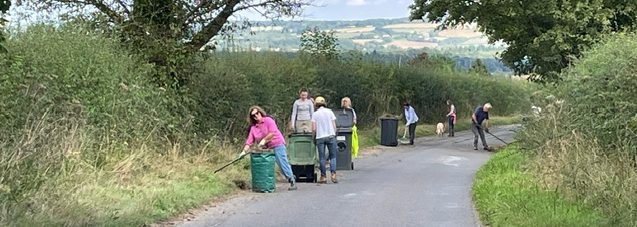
(357, 9)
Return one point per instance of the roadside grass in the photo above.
(138, 191)
(144, 187)
(371, 137)
(505, 194)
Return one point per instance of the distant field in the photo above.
(414, 25)
(355, 29)
(476, 41)
(460, 33)
(266, 28)
(346, 35)
(406, 44)
(365, 41)
(386, 35)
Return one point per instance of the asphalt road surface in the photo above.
(428, 184)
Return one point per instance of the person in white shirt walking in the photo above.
(412, 120)
(324, 127)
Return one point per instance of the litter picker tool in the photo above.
(232, 162)
(404, 139)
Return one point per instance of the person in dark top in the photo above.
(480, 115)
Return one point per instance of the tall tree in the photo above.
(4, 8)
(543, 36)
(479, 68)
(168, 31)
(319, 43)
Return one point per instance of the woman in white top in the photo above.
(302, 111)
(346, 103)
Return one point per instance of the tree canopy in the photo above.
(543, 36)
(319, 43)
(195, 22)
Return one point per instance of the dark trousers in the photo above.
(478, 132)
(412, 133)
(450, 118)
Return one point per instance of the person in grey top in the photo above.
(302, 111)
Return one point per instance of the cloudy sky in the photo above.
(357, 9)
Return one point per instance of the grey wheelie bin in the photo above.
(344, 124)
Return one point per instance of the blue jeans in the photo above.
(330, 143)
(282, 160)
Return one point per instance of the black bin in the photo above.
(389, 131)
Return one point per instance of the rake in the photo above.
(497, 138)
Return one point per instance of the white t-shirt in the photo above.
(324, 119)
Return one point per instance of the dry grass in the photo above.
(580, 169)
(51, 177)
(506, 194)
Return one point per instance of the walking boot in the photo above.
(292, 184)
(322, 180)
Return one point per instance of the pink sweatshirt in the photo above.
(261, 130)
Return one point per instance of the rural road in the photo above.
(428, 184)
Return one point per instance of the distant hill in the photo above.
(384, 36)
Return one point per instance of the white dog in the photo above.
(440, 129)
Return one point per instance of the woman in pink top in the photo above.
(264, 129)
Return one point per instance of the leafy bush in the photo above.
(231, 82)
(69, 94)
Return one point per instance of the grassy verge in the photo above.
(371, 137)
(506, 195)
(140, 190)
(144, 187)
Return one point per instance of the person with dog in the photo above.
(411, 120)
(324, 128)
(480, 115)
(451, 117)
(302, 111)
(264, 129)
